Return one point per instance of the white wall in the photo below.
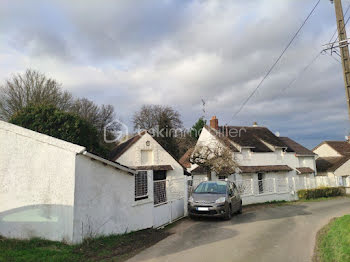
(104, 201)
(343, 170)
(36, 184)
(325, 150)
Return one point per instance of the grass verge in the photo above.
(110, 248)
(333, 241)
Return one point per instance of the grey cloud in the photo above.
(177, 52)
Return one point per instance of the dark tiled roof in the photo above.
(199, 170)
(330, 164)
(296, 147)
(252, 137)
(342, 147)
(305, 170)
(122, 147)
(154, 167)
(271, 168)
(185, 159)
(222, 138)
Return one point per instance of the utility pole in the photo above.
(344, 49)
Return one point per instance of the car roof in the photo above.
(217, 182)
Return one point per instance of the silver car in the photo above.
(216, 199)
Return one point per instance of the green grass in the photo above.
(114, 247)
(333, 241)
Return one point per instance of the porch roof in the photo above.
(304, 170)
(154, 167)
(268, 168)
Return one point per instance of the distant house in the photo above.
(334, 160)
(168, 176)
(259, 153)
(57, 190)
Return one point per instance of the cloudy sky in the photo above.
(177, 52)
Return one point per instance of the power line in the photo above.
(318, 55)
(306, 68)
(302, 72)
(278, 59)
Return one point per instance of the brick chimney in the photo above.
(255, 124)
(214, 123)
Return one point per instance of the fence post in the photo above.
(274, 185)
(294, 185)
(252, 185)
(305, 182)
(287, 184)
(185, 196)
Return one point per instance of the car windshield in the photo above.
(211, 188)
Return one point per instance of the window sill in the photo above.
(142, 202)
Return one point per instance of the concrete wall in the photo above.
(36, 184)
(104, 201)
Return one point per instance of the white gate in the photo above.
(170, 200)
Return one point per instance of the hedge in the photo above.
(321, 192)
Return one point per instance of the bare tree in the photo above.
(31, 88)
(151, 116)
(214, 157)
(101, 117)
(163, 122)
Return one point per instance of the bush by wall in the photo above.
(321, 192)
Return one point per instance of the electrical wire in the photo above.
(336, 30)
(278, 59)
(302, 71)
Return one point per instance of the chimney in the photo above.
(214, 123)
(255, 124)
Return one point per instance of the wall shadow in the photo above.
(52, 222)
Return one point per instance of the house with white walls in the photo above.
(334, 160)
(262, 157)
(169, 178)
(56, 190)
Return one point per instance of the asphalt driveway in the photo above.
(279, 233)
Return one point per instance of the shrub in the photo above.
(321, 192)
(49, 120)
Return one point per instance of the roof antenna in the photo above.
(203, 107)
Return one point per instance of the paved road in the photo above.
(280, 233)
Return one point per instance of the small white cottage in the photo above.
(169, 181)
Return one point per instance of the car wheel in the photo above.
(240, 209)
(228, 214)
